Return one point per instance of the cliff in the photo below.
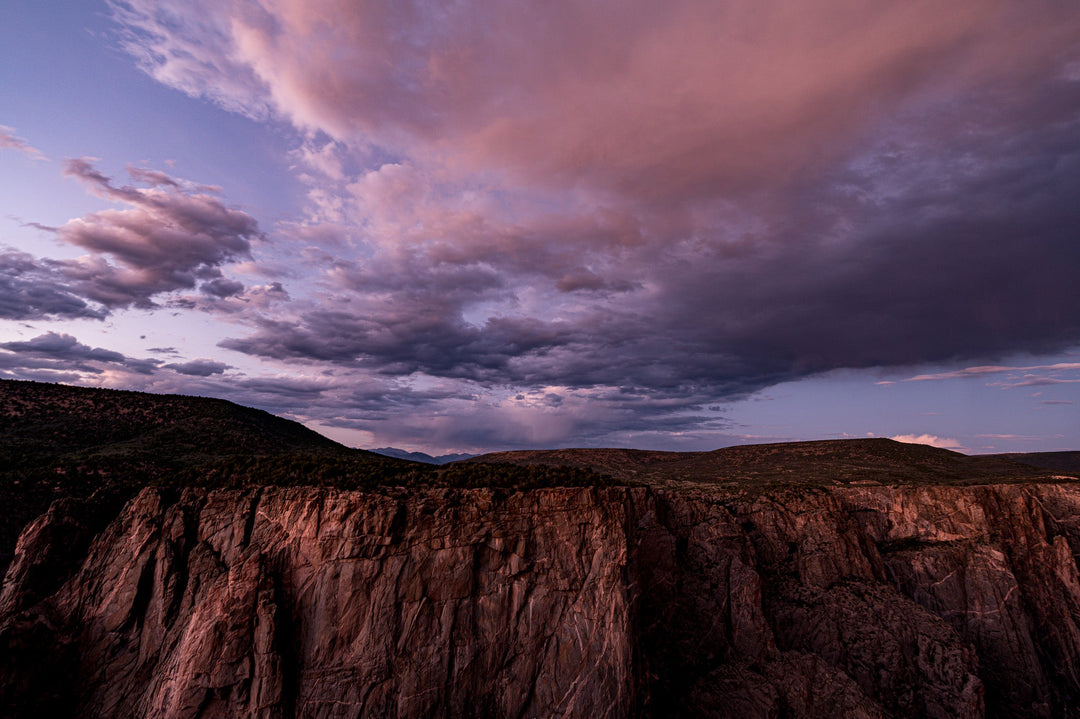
(715, 601)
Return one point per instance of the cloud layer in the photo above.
(696, 201)
(622, 212)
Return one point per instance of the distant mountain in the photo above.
(421, 456)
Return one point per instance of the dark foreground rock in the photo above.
(587, 602)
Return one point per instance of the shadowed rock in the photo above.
(590, 602)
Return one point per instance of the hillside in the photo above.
(59, 441)
(48, 418)
(820, 463)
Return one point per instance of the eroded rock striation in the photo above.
(912, 601)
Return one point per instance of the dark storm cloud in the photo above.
(401, 341)
(970, 257)
(221, 287)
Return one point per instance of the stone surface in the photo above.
(869, 601)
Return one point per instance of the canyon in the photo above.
(851, 601)
(181, 557)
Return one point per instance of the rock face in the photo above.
(587, 602)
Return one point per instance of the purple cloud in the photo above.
(654, 209)
(172, 236)
(167, 240)
(60, 352)
(198, 367)
(32, 289)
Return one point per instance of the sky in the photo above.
(488, 225)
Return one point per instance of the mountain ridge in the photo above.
(422, 456)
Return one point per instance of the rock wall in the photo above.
(594, 602)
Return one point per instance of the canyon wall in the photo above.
(586, 602)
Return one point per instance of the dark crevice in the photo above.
(249, 522)
(286, 642)
(143, 593)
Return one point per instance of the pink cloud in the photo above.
(1011, 437)
(931, 440)
(992, 369)
(10, 141)
(696, 97)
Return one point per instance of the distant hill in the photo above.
(827, 462)
(51, 418)
(421, 456)
(1068, 462)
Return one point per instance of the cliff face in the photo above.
(591, 602)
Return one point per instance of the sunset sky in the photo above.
(470, 226)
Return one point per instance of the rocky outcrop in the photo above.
(586, 602)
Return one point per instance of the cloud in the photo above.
(205, 230)
(172, 236)
(1033, 381)
(931, 440)
(61, 352)
(222, 287)
(991, 369)
(696, 98)
(198, 367)
(187, 48)
(910, 280)
(32, 289)
(10, 141)
(839, 179)
(661, 207)
(1011, 437)
(62, 346)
